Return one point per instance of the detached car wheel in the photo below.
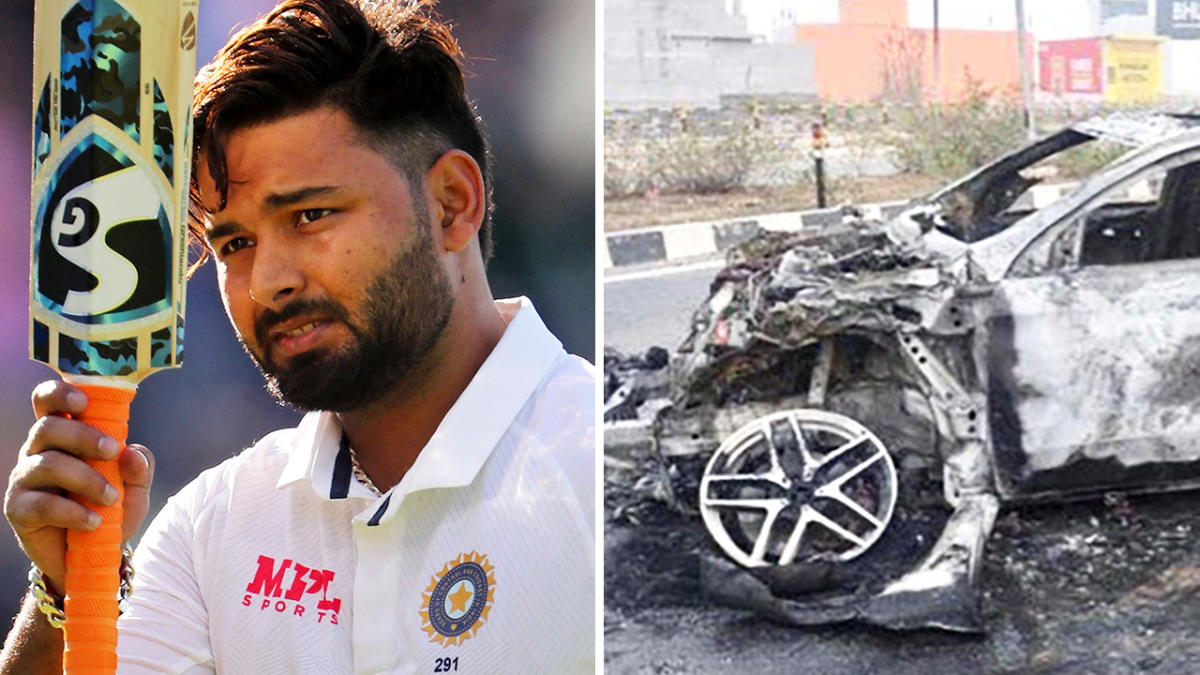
(798, 485)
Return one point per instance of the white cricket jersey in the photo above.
(481, 560)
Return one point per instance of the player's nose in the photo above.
(276, 276)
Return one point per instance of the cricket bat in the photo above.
(112, 90)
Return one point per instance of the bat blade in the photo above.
(111, 163)
(112, 97)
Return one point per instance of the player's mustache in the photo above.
(325, 308)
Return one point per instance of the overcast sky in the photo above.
(1048, 19)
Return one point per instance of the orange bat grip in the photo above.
(94, 558)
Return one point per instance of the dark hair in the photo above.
(391, 65)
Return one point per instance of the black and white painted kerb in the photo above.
(671, 243)
(691, 241)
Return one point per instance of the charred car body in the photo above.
(876, 391)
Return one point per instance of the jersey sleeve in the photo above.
(165, 628)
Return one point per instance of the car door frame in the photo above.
(1030, 466)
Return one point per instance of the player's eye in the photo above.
(310, 215)
(233, 246)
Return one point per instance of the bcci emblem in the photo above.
(458, 599)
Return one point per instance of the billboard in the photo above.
(1111, 8)
(1071, 66)
(1178, 19)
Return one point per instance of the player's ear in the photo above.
(457, 187)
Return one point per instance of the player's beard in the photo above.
(405, 310)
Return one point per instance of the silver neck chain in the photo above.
(361, 475)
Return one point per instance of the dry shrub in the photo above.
(950, 141)
(684, 159)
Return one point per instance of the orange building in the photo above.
(872, 52)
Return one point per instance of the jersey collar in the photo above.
(464, 439)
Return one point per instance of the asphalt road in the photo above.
(653, 307)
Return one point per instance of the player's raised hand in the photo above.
(51, 462)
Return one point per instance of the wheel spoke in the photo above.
(792, 547)
(768, 505)
(854, 506)
(764, 537)
(772, 451)
(774, 477)
(838, 482)
(829, 524)
(810, 462)
(843, 449)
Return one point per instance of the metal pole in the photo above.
(937, 58)
(819, 169)
(1026, 78)
(819, 142)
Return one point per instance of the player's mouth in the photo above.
(297, 336)
(300, 326)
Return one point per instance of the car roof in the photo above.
(1137, 129)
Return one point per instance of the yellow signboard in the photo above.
(1132, 69)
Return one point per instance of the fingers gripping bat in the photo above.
(111, 161)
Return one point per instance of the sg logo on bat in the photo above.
(103, 239)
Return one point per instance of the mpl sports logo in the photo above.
(304, 584)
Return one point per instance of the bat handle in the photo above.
(93, 558)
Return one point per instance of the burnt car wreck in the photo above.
(875, 392)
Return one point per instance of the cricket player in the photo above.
(433, 510)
